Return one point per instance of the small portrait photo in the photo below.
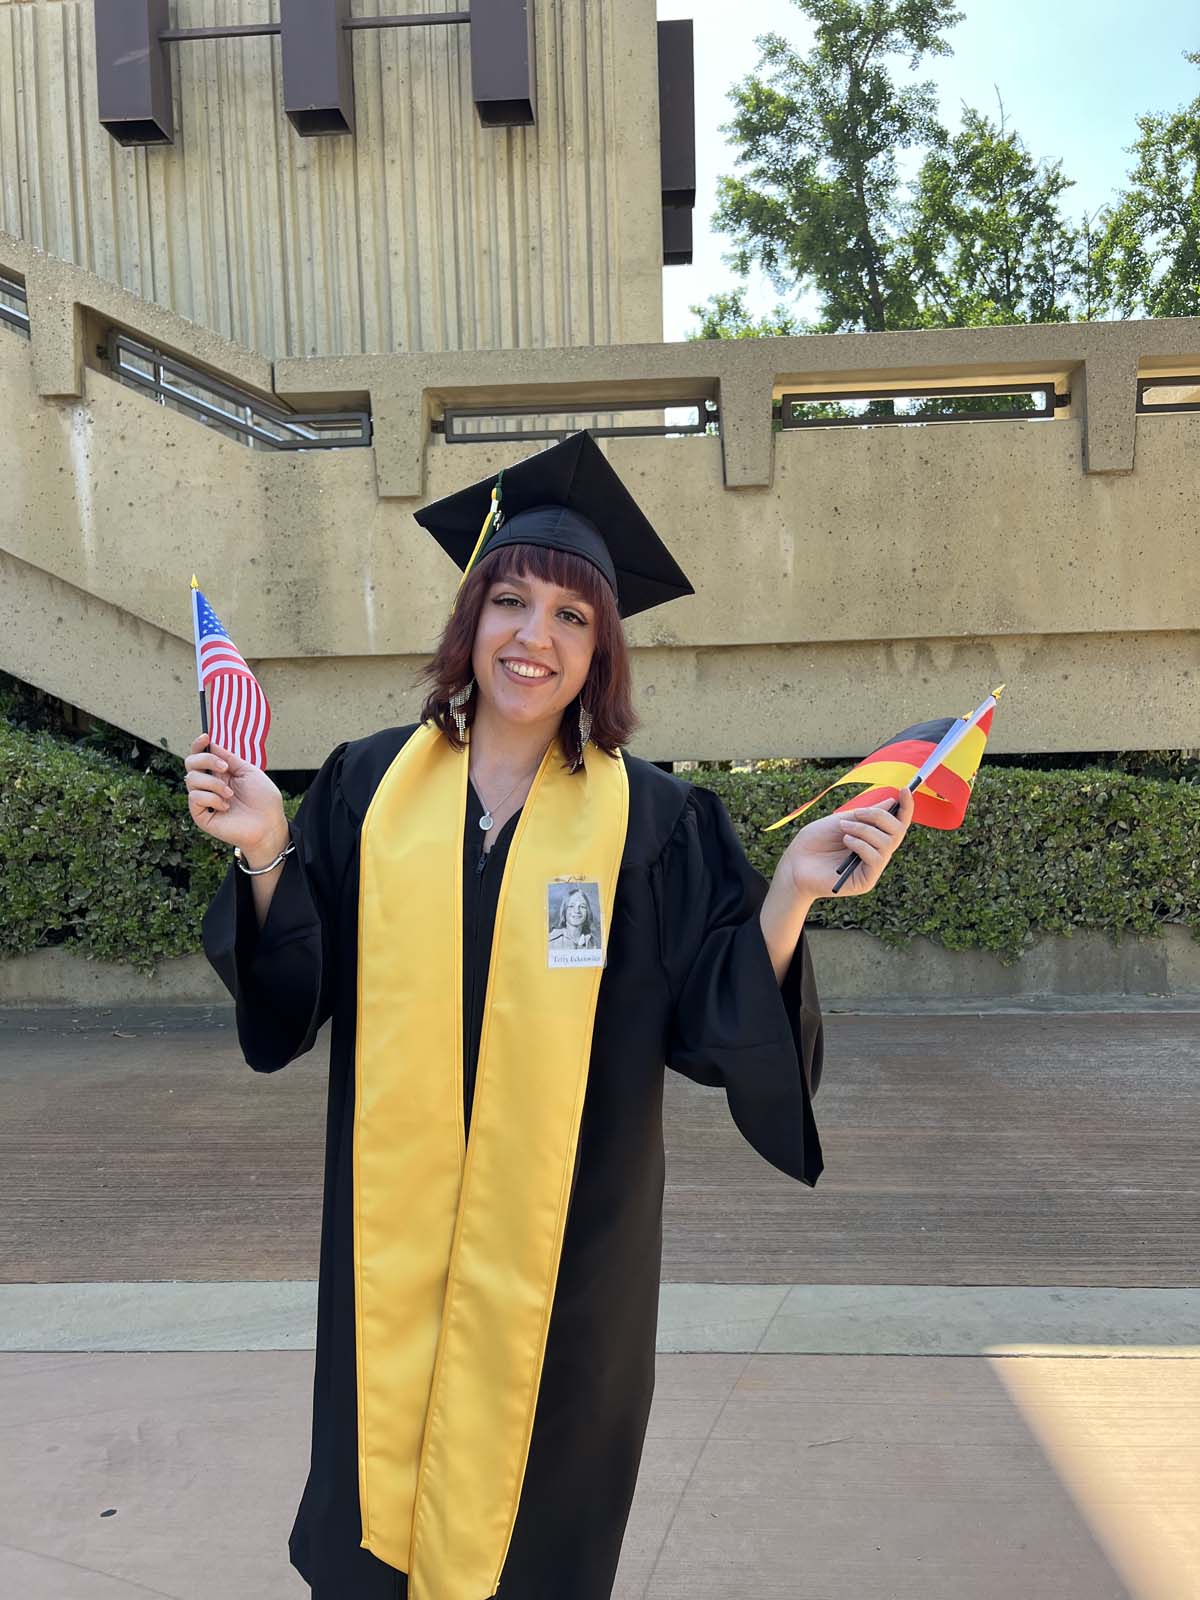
(575, 932)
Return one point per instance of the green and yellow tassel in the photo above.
(492, 520)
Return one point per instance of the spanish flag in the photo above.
(940, 800)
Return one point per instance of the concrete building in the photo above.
(177, 312)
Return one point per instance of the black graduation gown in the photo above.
(688, 982)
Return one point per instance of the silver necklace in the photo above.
(487, 821)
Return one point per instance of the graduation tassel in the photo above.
(492, 520)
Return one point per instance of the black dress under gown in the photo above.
(688, 982)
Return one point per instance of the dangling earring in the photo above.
(585, 733)
(457, 700)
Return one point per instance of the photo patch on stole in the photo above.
(574, 926)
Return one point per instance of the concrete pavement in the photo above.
(1011, 1407)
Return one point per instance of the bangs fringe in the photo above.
(561, 567)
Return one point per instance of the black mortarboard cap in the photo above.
(566, 498)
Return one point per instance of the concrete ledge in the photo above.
(855, 972)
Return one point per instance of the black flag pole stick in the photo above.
(846, 868)
(199, 676)
(196, 640)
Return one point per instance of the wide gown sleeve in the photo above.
(281, 976)
(732, 1024)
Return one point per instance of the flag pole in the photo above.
(959, 731)
(196, 640)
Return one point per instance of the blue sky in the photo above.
(1074, 74)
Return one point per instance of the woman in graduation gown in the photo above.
(491, 1230)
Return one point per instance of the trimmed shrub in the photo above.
(105, 859)
(1038, 853)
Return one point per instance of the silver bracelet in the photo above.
(253, 872)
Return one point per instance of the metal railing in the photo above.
(231, 411)
(13, 308)
(263, 423)
(829, 408)
(451, 423)
(841, 408)
(1167, 395)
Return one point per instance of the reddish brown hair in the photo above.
(607, 691)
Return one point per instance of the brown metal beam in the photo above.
(318, 70)
(502, 62)
(134, 75)
(133, 71)
(677, 138)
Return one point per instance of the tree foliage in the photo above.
(1149, 251)
(986, 237)
(727, 317)
(818, 137)
(981, 236)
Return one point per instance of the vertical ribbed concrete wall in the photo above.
(422, 232)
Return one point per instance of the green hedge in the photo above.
(1038, 853)
(97, 856)
(106, 859)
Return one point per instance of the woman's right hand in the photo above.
(233, 800)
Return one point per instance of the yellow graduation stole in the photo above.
(457, 1244)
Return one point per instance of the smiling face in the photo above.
(533, 647)
(577, 909)
(548, 608)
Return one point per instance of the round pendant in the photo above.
(485, 821)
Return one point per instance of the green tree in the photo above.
(725, 316)
(1095, 293)
(820, 203)
(1149, 251)
(985, 235)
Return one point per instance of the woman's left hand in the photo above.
(873, 833)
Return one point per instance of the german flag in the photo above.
(941, 799)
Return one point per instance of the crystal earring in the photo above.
(585, 732)
(457, 700)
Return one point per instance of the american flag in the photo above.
(240, 715)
